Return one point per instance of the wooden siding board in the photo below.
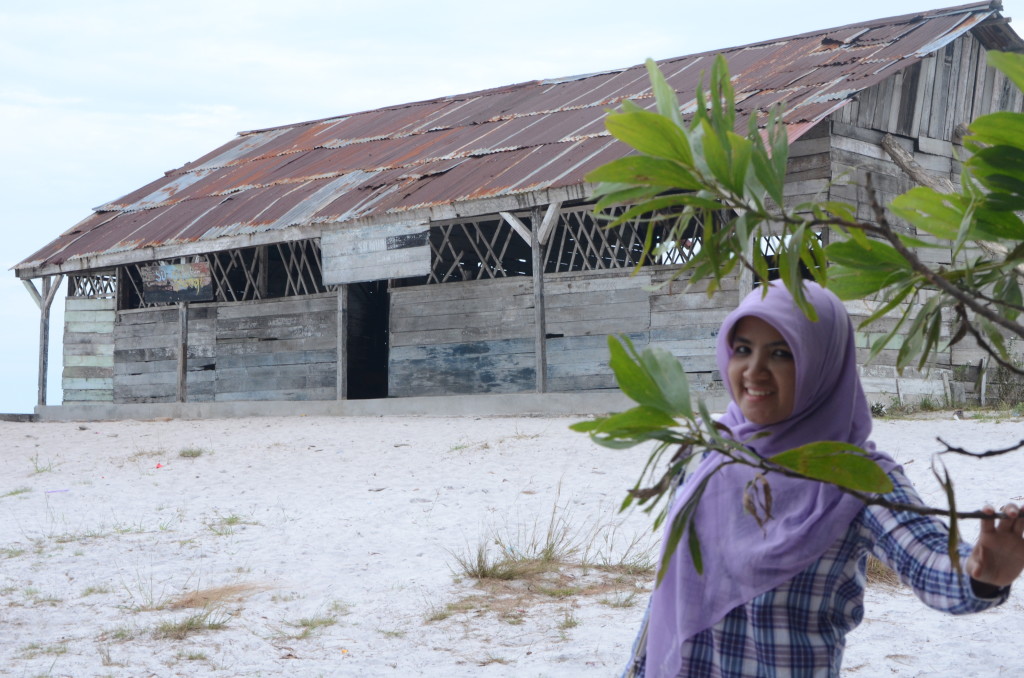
(242, 347)
(513, 317)
(92, 395)
(457, 291)
(520, 302)
(88, 304)
(90, 316)
(467, 349)
(296, 394)
(90, 372)
(86, 384)
(150, 367)
(939, 92)
(592, 382)
(253, 360)
(291, 305)
(376, 252)
(928, 75)
(90, 360)
(368, 272)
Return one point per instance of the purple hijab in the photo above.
(742, 561)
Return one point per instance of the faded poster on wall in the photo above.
(170, 283)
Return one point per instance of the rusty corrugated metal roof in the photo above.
(494, 143)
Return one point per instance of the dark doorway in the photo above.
(366, 367)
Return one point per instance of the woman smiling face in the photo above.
(762, 372)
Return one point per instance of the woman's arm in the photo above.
(916, 547)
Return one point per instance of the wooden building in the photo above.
(448, 246)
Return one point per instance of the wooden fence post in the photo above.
(183, 351)
(540, 340)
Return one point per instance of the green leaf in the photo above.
(664, 95)
(930, 211)
(714, 155)
(877, 256)
(842, 464)
(622, 194)
(1011, 64)
(670, 377)
(1007, 290)
(849, 283)
(655, 379)
(997, 129)
(891, 304)
(998, 224)
(585, 426)
(914, 342)
(652, 134)
(640, 169)
(995, 337)
(638, 420)
(764, 170)
(840, 210)
(680, 523)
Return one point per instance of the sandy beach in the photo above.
(319, 546)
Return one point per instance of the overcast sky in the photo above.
(99, 98)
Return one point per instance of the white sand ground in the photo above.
(104, 526)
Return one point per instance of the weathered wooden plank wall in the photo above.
(146, 355)
(88, 350)
(466, 337)
(477, 337)
(925, 110)
(582, 310)
(283, 349)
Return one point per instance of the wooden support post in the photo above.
(262, 252)
(43, 301)
(44, 341)
(342, 364)
(984, 382)
(540, 344)
(182, 351)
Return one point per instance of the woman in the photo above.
(778, 598)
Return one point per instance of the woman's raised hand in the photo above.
(998, 556)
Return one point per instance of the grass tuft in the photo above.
(880, 574)
(208, 620)
(313, 625)
(40, 466)
(217, 595)
(569, 621)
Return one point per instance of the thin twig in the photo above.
(871, 498)
(979, 455)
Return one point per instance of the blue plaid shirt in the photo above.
(799, 629)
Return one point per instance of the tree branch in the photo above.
(931, 276)
(988, 348)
